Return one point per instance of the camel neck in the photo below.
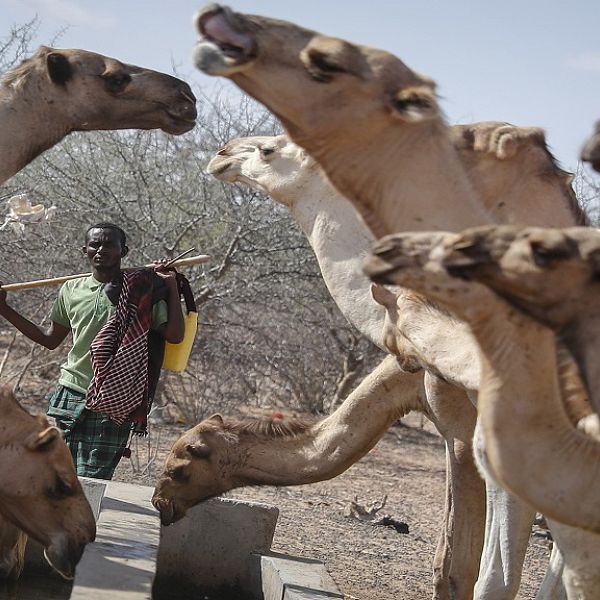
(524, 422)
(404, 180)
(28, 128)
(340, 241)
(381, 398)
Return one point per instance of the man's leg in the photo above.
(66, 407)
(100, 444)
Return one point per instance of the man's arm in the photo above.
(174, 329)
(50, 338)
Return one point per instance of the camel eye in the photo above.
(178, 474)
(322, 68)
(544, 255)
(61, 489)
(116, 82)
(267, 151)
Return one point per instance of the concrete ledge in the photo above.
(294, 578)
(120, 563)
(216, 548)
(300, 593)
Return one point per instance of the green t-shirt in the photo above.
(84, 308)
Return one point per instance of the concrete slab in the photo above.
(94, 490)
(216, 548)
(287, 577)
(34, 552)
(120, 563)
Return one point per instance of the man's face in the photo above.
(103, 249)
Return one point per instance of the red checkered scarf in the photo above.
(119, 353)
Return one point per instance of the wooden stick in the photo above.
(26, 285)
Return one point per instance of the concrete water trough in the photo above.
(221, 550)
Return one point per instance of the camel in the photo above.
(56, 92)
(216, 455)
(348, 106)
(551, 274)
(515, 409)
(275, 165)
(591, 150)
(39, 491)
(279, 167)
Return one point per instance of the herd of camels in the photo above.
(463, 255)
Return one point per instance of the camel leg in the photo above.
(581, 554)
(456, 561)
(552, 587)
(507, 530)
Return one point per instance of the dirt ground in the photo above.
(367, 562)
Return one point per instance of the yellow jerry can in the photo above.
(177, 355)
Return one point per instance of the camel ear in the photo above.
(7, 394)
(198, 450)
(415, 104)
(325, 57)
(383, 296)
(41, 440)
(59, 68)
(216, 418)
(593, 258)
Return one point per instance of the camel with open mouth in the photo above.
(348, 106)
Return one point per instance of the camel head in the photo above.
(400, 259)
(197, 468)
(318, 86)
(541, 270)
(415, 260)
(89, 91)
(272, 165)
(39, 491)
(591, 150)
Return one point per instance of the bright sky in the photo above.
(528, 62)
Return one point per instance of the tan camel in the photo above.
(591, 150)
(275, 165)
(516, 409)
(551, 274)
(340, 240)
(56, 92)
(348, 106)
(216, 455)
(39, 490)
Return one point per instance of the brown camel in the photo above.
(551, 274)
(216, 455)
(39, 490)
(491, 152)
(56, 92)
(350, 106)
(554, 473)
(591, 150)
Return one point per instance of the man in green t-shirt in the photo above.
(83, 308)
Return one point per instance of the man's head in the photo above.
(105, 246)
